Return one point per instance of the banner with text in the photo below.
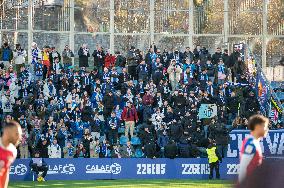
(272, 145)
(107, 168)
(136, 168)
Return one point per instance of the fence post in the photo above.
(191, 24)
(152, 21)
(30, 29)
(264, 33)
(71, 33)
(111, 27)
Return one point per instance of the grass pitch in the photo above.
(158, 183)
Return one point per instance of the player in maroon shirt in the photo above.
(11, 137)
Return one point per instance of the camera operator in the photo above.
(38, 165)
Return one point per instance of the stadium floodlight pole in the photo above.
(226, 21)
(152, 21)
(72, 26)
(30, 29)
(264, 32)
(190, 24)
(111, 26)
(1, 25)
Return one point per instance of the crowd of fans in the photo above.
(138, 105)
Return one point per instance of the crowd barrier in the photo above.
(143, 168)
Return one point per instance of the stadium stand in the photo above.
(151, 100)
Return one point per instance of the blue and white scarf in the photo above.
(114, 79)
(221, 69)
(35, 52)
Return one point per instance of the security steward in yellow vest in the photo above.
(214, 158)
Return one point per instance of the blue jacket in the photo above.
(162, 140)
(113, 121)
(61, 137)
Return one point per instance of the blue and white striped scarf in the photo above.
(35, 52)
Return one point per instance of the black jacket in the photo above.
(158, 76)
(222, 135)
(187, 122)
(86, 142)
(233, 104)
(120, 61)
(147, 138)
(83, 59)
(239, 67)
(233, 58)
(184, 151)
(99, 58)
(188, 55)
(175, 131)
(226, 60)
(43, 149)
(216, 57)
(108, 101)
(171, 150)
(252, 104)
(150, 150)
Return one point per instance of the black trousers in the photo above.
(233, 74)
(132, 72)
(45, 72)
(216, 167)
(38, 169)
(112, 136)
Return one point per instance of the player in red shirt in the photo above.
(251, 153)
(11, 137)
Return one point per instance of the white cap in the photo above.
(33, 44)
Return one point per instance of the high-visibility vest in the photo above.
(212, 155)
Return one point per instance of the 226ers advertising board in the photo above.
(142, 168)
(91, 169)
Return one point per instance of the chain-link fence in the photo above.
(170, 24)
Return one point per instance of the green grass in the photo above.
(158, 183)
